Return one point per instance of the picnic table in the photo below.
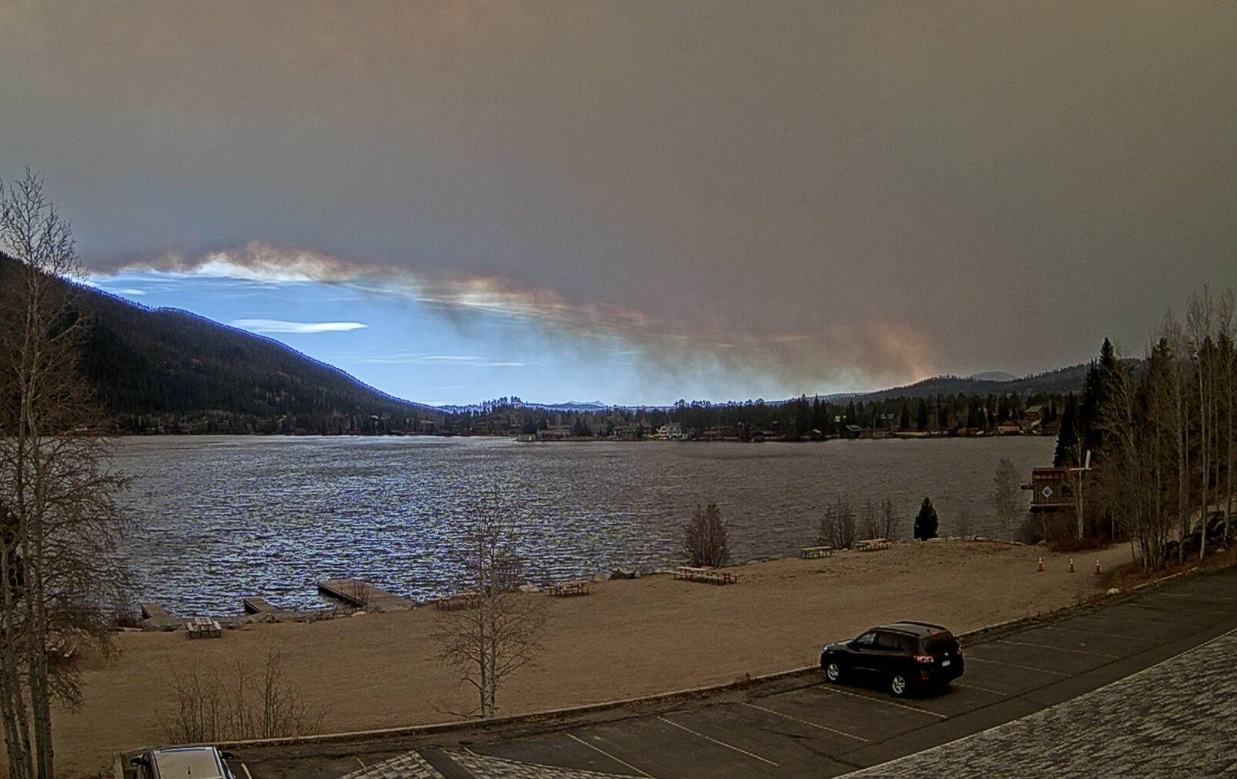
(203, 627)
(809, 552)
(707, 575)
(871, 544)
(567, 589)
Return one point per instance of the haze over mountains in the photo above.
(171, 370)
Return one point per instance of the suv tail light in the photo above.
(925, 659)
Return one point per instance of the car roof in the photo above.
(197, 762)
(914, 628)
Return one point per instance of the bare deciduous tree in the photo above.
(500, 630)
(1137, 480)
(890, 521)
(706, 539)
(837, 526)
(1226, 325)
(210, 707)
(1006, 496)
(963, 525)
(871, 526)
(58, 522)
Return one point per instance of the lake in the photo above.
(219, 518)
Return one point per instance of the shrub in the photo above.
(706, 539)
(242, 706)
(837, 526)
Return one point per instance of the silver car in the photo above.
(175, 762)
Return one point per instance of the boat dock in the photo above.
(261, 607)
(158, 617)
(363, 596)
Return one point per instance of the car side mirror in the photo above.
(227, 755)
(139, 760)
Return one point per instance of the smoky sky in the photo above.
(829, 191)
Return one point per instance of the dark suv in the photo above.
(904, 657)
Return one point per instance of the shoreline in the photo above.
(339, 608)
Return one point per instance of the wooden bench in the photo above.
(810, 552)
(871, 544)
(203, 627)
(707, 575)
(568, 589)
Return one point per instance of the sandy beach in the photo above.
(625, 639)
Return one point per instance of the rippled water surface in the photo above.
(220, 518)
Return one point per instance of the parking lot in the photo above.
(810, 727)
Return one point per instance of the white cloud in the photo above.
(460, 360)
(299, 328)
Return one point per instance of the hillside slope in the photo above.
(164, 370)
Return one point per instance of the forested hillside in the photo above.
(165, 370)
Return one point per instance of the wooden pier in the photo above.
(158, 617)
(363, 596)
(154, 611)
(261, 607)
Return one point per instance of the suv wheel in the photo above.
(898, 685)
(833, 671)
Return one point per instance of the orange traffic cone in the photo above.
(1097, 567)
(1039, 567)
(1071, 565)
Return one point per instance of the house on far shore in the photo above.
(671, 431)
(626, 431)
(554, 433)
(1033, 419)
(1009, 428)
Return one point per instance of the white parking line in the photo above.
(885, 701)
(977, 687)
(971, 658)
(1189, 596)
(806, 722)
(1058, 648)
(720, 743)
(616, 759)
(245, 768)
(1060, 629)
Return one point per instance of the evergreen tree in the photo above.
(1067, 438)
(904, 421)
(1095, 395)
(926, 521)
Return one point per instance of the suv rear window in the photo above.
(939, 643)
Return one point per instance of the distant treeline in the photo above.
(801, 419)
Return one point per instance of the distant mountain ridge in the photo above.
(1057, 382)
